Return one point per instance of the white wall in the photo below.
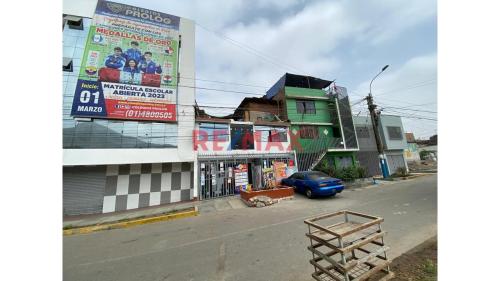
(186, 97)
(82, 8)
(73, 157)
(392, 121)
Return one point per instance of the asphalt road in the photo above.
(260, 244)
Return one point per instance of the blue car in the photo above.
(314, 183)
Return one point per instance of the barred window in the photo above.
(308, 132)
(306, 107)
(363, 132)
(394, 133)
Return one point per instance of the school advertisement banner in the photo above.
(129, 65)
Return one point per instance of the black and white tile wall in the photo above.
(142, 185)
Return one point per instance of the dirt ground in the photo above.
(423, 165)
(418, 264)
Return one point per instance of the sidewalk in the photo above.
(207, 206)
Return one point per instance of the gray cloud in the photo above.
(306, 37)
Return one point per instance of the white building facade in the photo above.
(116, 164)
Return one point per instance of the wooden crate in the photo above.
(347, 246)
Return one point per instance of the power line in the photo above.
(221, 90)
(199, 79)
(251, 50)
(400, 108)
(413, 116)
(409, 87)
(223, 82)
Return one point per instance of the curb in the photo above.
(410, 177)
(131, 223)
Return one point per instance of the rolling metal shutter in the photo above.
(83, 189)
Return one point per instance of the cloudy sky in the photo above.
(254, 42)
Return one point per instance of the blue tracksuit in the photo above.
(150, 67)
(115, 62)
(133, 54)
(128, 69)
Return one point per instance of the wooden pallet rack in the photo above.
(347, 246)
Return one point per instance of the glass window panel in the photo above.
(99, 133)
(82, 134)
(143, 134)
(129, 139)
(170, 135)
(114, 134)
(158, 135)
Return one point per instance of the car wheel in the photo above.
(333, 195)
(309, 193)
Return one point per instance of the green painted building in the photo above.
(320, 117)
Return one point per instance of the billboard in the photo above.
(129, 65)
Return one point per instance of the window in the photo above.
(271, 134)
(242, 136)
(68, 64)
(213, 131)
(308, 132)
(394, 133)
(277, 135)
(344, 161)
(306, 107)
(74, 22)
(363, 132)
(317, 176)
(298, 176)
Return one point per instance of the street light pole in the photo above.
(375, 121)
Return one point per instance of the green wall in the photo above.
(322, 114)
(306, 142)
(298, 92)
(331, 157)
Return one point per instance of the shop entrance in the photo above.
(224, 177)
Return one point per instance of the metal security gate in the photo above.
(394, 162)
(217, 175)
(216, 179)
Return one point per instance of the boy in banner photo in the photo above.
(133, 53)
(116, 60)
(148, 66)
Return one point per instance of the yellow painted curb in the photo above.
(130, 223)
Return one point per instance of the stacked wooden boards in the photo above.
(347, 246)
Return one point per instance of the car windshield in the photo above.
(317, 175)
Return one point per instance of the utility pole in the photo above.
(375, 122)
(380, 148)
